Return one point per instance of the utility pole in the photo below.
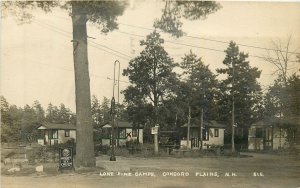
(188, 128)
(201, 130)
(113, 112)
(118, 102)
(112, 155)
(201, 122)
(232, 134)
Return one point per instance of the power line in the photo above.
(117, 80)
(182, 44)
(54, 30)
(111, 49)
(69, 69)
(214, 40)
(194, 46)
(189, 45)
(134, 26)
(90, 40)
(69, 35)
(202, 38)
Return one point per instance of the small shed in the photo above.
(53, 133)
(212, 131)
(124, 131)
(267, 134)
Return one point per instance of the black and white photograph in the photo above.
(150, 94)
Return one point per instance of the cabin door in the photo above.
(195, 143)
(268, 139)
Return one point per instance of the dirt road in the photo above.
(261, 170)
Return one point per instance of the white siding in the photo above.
(141, 138)
(279, 139)
(255, 143)
(122, 141)
(105, 142)
(213, 140)
(41, 142)
(46, 137)
(183, 144)
(73, 134)
(61, 137)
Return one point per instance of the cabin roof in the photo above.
(278, 122)
(210, 124)
(120, 124)
(58, 126)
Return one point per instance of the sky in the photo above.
(37, 60)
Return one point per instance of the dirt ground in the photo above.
(259, 170)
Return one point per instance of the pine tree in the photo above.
(240, 87)
(150, 74)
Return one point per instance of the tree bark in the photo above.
(84, 139)
(201, 130)
(188, 128)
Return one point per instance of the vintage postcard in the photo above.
(160, 93)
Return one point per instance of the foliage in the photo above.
(22, 10)
(282, 98)
(59, 114)
(100, 111)
(151, 75)
(20, 124)
(241, 82)
(198, 87)
(102, 13)
(282, 101)
(173, 12)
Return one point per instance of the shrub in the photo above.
(32, 155)
(103, 149)
(120, 151)
(43, 154)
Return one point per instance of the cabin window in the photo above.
(216, 132)
(67, 133)
(205, 134)
(53, 134)
(269, 134)
(122, 133)
(134, 132)
(259, 133)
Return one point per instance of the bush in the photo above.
(103, 149)
(46, 154)
(32, 155)
(69, 143)
(120, 151)
(43, 155)
(146, 150)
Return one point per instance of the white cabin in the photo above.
(213, 135)
(53, 134)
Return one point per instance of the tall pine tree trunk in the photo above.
(84, 141)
